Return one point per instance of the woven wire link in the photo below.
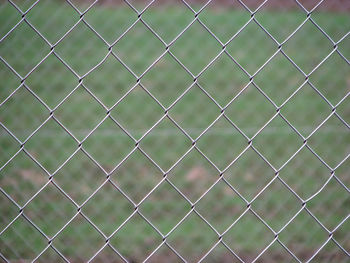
(80, 210)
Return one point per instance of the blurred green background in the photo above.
(191, 107)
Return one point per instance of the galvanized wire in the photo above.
(196, 18)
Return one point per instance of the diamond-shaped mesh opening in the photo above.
(167, 80)
(137, 168)
(332, 136)
(80, 113)
(250, 111)
(276, 205)
(195, 111)
(22, 113)
(140, 234)
(303, 236)
(248, 237)
(139, 48)
(62, 18)
(165, 207)
(193, 175)
(108, 209)
(52, 81)
(223, 20)
(315, 47)
(195, 55)
(50, 210)
(305, 173)
(331, 78)
(82, 49)
(79, 177)
(163, 137)
(192, 238)
(79, 231)
(14, 243)
(273, 147)
(221, 206)
(223, 80)
(279, 21)
(23, 49)
(222, 143)
(110, 81)
(249, 174)
(279, 79)
(246, 52)
(167, 19)
(137, 112)
(108, 144)
(105, 18)
(331, 205)
(335, 28)
(22, 178)
(305, 117)
(51, 145)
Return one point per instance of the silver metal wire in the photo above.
(250, 145)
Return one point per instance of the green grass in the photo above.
(51, 81)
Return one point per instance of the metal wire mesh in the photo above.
(186, 131)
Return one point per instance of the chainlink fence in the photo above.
(174, 131)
